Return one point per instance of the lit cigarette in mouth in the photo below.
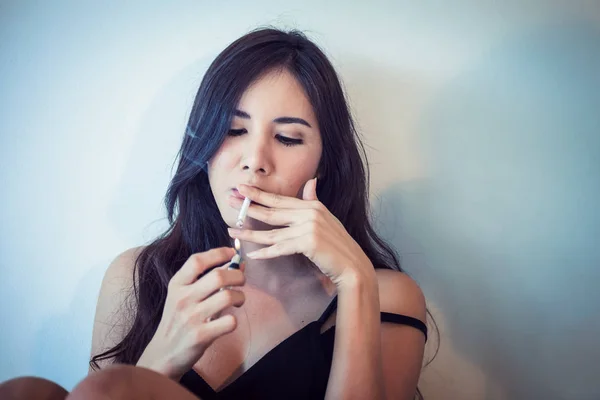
(243, 212)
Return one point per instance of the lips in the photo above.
(235, 193)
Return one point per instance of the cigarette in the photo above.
(243, 212)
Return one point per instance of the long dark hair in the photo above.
(195, 222)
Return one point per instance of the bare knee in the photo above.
(120, 381)
(111, 382)
(29, 387)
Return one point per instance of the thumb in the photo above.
(310, 190)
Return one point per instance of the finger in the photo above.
(270, 199)
(218, 302)
(271, 216)
(310, 190)
(218, 327)
(271, 236)
(207, 270)
(215, 280)
(199, 263)
(285, 248)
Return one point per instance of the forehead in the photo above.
(276, 94)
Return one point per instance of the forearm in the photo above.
(356, 371)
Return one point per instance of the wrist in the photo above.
(162, 367)
(356, 280)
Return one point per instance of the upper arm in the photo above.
(111, 321)
(402, 345)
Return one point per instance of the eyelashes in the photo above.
(286, 141)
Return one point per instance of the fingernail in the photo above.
(251, 254)
(233, 231)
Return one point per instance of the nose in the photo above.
(256, 155)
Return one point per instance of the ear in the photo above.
(310, 190)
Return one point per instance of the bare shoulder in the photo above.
(120, 270)
(400, 294)
(111, 321)
(117, 284)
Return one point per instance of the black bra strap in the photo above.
(385, 317)
(404, 320)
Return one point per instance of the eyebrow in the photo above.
(280, 120)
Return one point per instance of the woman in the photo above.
(320, 309)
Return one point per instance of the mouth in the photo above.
(235, 193)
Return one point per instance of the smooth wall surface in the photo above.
(482, 124)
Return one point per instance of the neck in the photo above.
(279, 276)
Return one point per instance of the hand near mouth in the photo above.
(308, 228)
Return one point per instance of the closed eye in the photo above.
(286, 141)
(236, 132)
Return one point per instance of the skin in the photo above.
(112, 382)
(288, 225)
(259, 158)
(275, 289)
(286, 286)
(286, 222)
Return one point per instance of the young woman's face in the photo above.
(274, 144)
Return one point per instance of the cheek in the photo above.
(218, 167)
(300, 171)
(222, 160)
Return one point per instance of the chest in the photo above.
(263, 323)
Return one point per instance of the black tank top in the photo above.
(297, 368)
